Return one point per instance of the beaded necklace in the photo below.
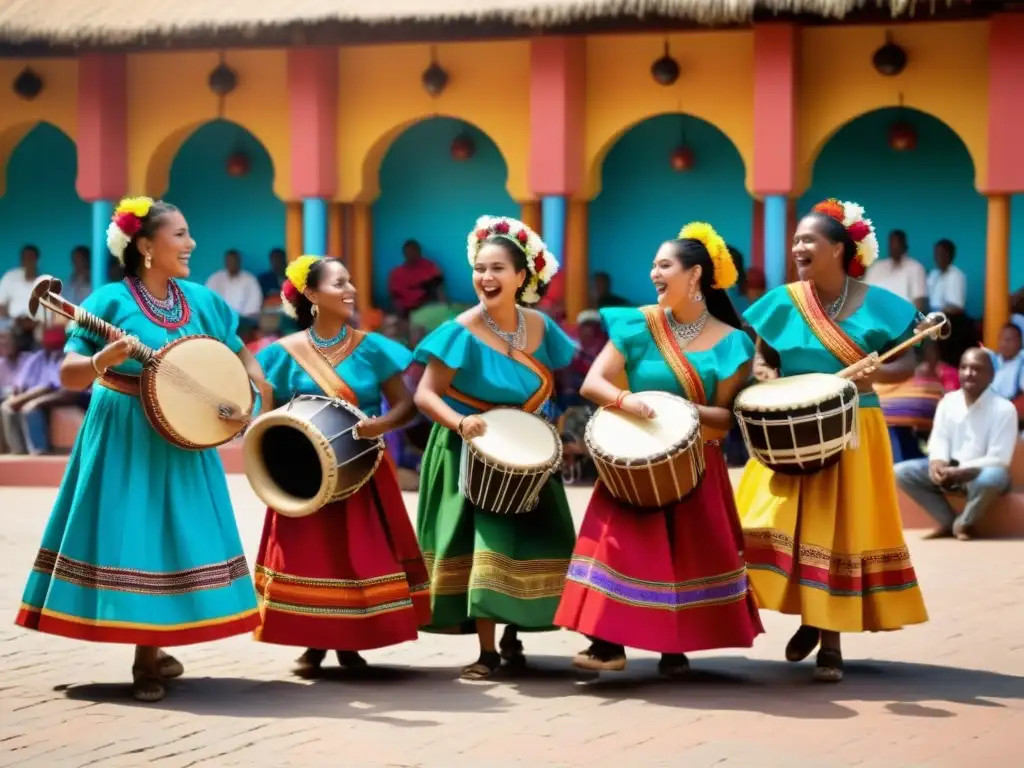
(326, 347)
(170, 313)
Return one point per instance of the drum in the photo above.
(504, 469)
(304, 455)
(800, 424)
(649, 463)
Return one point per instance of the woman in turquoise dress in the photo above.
(349, 577)
(141, 547)
(670, 580)
(485, 568)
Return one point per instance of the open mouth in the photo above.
(490, 293)
(660, 288)
(802, 261)
(348, 300)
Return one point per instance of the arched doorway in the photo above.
(644, 200)
(41, 205)
(927, 191)
(429, 196)
(229, 203)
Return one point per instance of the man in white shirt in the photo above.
(947, 292)
(972, 442)
(899, 273)
(240, 289)
(16, 285)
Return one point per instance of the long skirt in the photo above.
(349, 577)
(829, 547)
(141, 546)
(670, 580)
(507, 568)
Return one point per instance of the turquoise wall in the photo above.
(41, 205)
(1016, 243)
(929, 193)
(427, 196)
(225, 212)
(643, 202)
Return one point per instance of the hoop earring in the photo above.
(314, 311)
(149, 261)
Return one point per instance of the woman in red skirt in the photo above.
(349, 577)
(669, 580)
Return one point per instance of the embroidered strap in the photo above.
(301, 349)
(824, 328)
(665, 340)
(533, 402)
(124, 383)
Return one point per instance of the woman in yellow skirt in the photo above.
(829, 546)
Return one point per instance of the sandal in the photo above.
(601, 657)
(169, 666)
(310, 661)
(802, 643)
(350, 660)
(511, 648)
(147, 685)
(483, 667)
(674, 665)
(829, 667)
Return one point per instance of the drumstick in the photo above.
(939, 321)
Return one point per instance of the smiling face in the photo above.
(673, 282)
(813, 253)
(495, 278)
(975, 372)
(170, 248)
(334, 294)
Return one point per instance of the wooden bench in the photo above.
(1005, 519)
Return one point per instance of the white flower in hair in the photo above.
(541, 263)
(117, 241)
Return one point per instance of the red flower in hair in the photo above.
(856, 269)
(538, 263)
(501, 227)
(858, 231)
(291, 293)
(831, 208)
(128, 223)
(481, 234)
(522, 237)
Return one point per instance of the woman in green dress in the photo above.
(487, 569)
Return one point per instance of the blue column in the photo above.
(314, 226)
(775, 246)
(553, 212)
(102, 210)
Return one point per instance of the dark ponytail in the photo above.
(304, 307)
(150, 224)
(692, 253)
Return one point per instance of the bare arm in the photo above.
(255, 372)
(718, 419)
(402, 408)
(766, 361)
(900, 369)
(608, 366)
(436, 380)
(77, 372)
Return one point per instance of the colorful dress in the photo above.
(350, 576)
(510, 569)
(829, 546)
(141, 546)
(673, 580)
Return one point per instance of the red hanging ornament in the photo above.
(681, 159)
(902, 137)
(238, 164)
(462, 148)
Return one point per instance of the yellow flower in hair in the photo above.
(298, 271)
(137, 206)
(725, 276)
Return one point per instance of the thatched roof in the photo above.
(126, 21)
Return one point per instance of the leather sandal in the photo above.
(147, 685)
(310, 661)
(802, 643)
(829, 668)
(169, 666)
(482, 668)
(511, 648)
(674, 665)
(350, 660)
(601, 657)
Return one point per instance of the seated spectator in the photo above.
(10, 364)
(603, 296)
(269, 329)
(240, 289)
(272, 280)
(78, 288)
(37, 389)
(909, 406)
(15, 291)
(973, 438)
(410, 283)
(592, 338)
(947, 293)
(1008, 359)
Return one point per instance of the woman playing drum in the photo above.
(487, 568)
(829, 546)
(141, 547)
(349, 577)
(670, 580)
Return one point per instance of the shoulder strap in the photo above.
(674, 356)
(301, 349)
(824, 328)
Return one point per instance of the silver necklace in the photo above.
(516, 339)
(835, 307)
(686, 332)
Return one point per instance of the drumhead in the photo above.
(792, 391)
(622, 435)
(517, 439)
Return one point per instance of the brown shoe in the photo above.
(938, 533)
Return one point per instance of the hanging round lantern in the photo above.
(681, 159)
(902, 137)
(238, 164)
(28, 85)
(462, 148)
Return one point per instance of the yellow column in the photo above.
(997, 268)
(530, 214)
(575, 260)
(293, 230)
(360, 264)
(335, 230)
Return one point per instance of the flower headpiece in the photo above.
(540, 262)
(295, 277)
(725, 276)
(126, 223)
(860, 230)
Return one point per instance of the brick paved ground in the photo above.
(948, 693)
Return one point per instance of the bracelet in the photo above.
(96, 367)
(623, 394)
(459, 428)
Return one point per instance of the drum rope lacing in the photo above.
(685, 333)
(516, 339)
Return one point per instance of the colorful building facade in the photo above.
(342, 150)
